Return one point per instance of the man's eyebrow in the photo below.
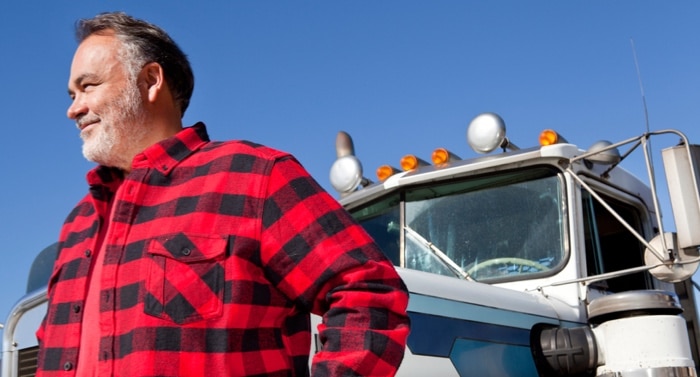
(78, 80)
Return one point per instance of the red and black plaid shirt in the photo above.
(214, 255)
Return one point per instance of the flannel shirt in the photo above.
(215, 253)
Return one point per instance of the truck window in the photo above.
(382, 221)
(610, 246)
(500, 227)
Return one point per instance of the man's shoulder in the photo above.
(246, 147)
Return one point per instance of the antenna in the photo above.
(641, 87)
(646, 144)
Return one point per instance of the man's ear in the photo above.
(154, 78)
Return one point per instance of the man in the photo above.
(190, 257)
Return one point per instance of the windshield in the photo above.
(500, 227)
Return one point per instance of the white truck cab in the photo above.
(547, 261)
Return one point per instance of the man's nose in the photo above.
(77, 107)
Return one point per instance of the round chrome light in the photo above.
(346, 174)
(486, 132)
(603, 154)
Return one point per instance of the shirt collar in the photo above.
(163, 156)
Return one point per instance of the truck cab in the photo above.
(541, 261)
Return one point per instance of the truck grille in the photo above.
(27, 362)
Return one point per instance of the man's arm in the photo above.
(323, 259)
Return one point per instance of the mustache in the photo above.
(85, 120)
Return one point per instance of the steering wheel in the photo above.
(507, 261)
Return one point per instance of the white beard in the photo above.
(118, 136)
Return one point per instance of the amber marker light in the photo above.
(549, 137)
(385, 171)
(442, 156)
(411, 162)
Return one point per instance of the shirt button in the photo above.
(88, 253)
(186, 251)
(68, 365)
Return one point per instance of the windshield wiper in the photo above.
(449, 263)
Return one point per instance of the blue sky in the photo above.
(399, 76)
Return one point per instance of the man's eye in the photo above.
(89, 85)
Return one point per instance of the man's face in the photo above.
(107, 104)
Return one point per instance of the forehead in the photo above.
(96, 55)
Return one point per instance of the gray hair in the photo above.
(143, 43)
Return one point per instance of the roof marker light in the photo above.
(386, 171)
(442, 156)
(550, 137)
(411, 162)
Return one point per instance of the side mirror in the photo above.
(681, 167)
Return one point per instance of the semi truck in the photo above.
(550, 260)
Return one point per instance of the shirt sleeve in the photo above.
(321, 258)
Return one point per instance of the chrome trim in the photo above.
(654, 372)
(9, 346)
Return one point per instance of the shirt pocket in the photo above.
(185, 279)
